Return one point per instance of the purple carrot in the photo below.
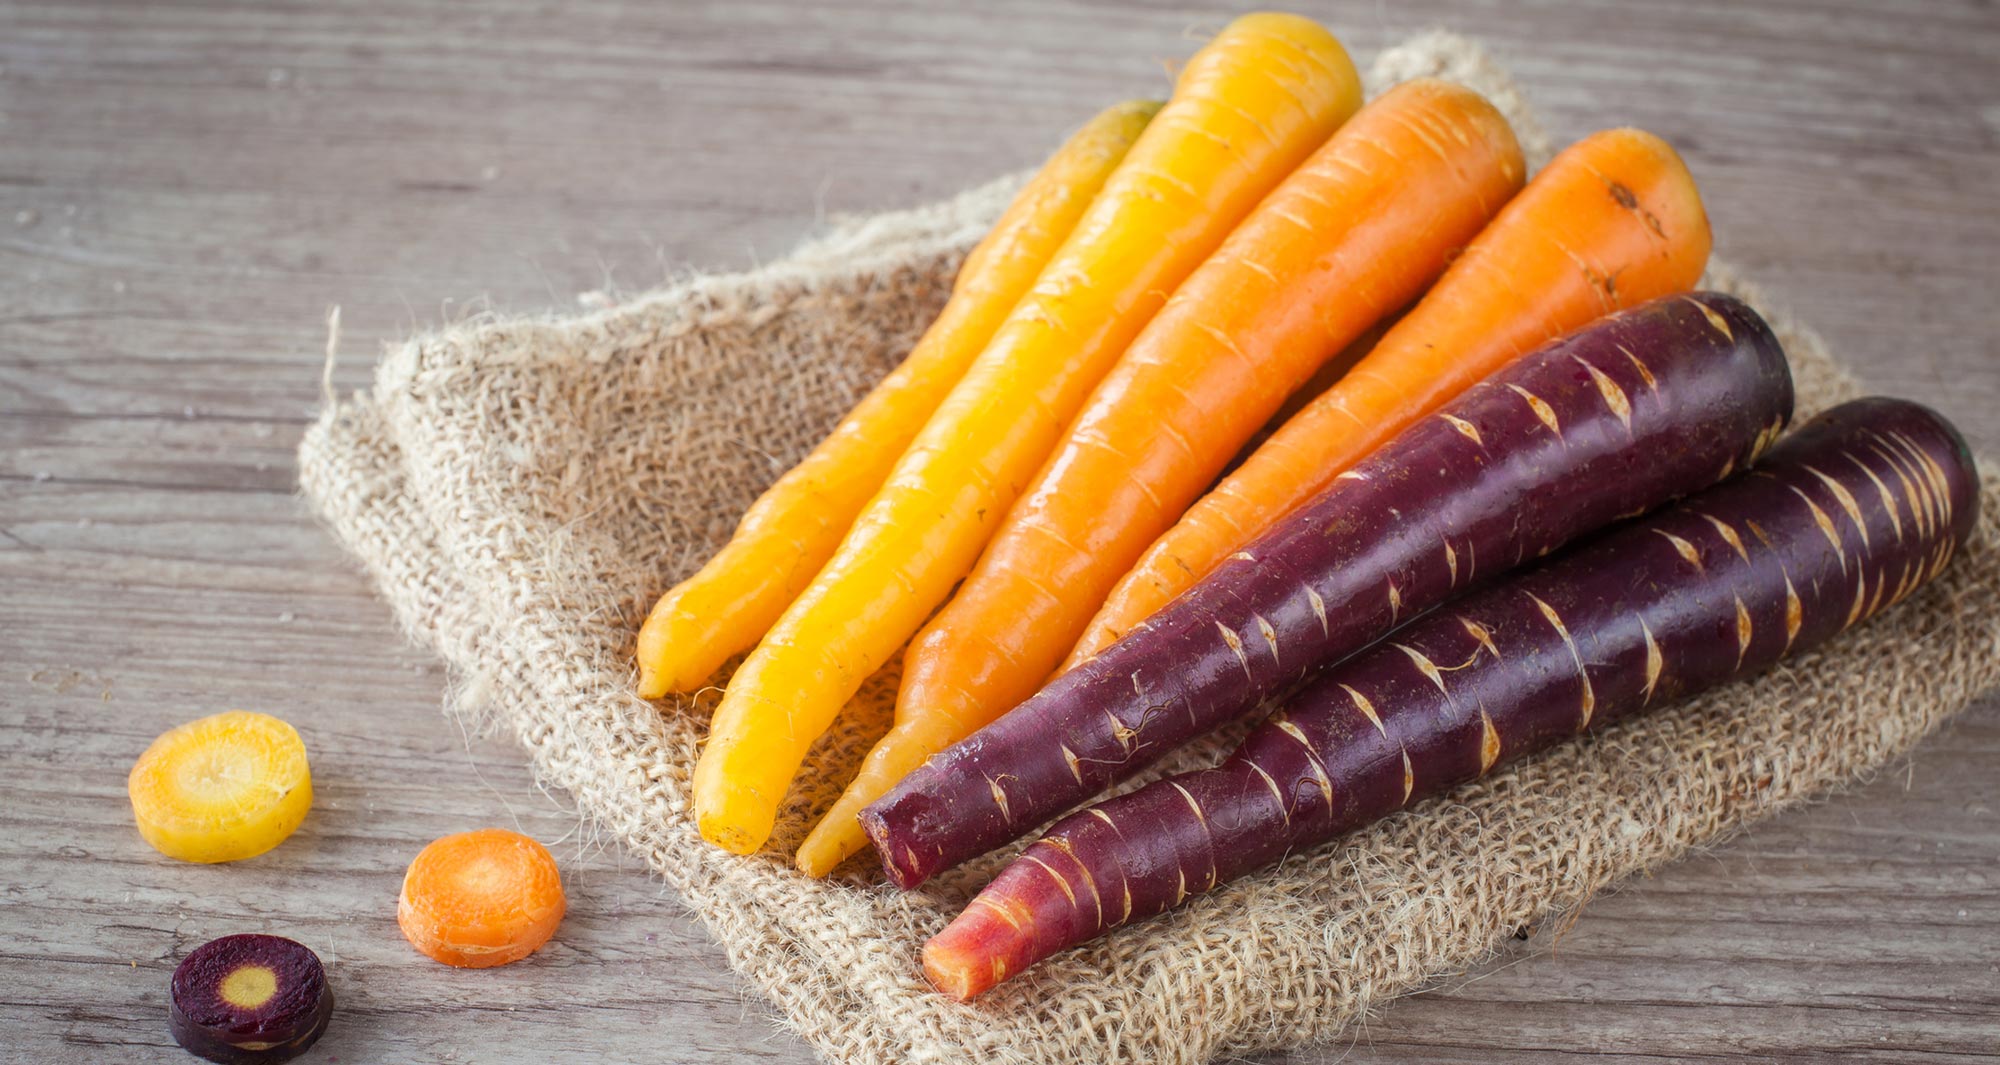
(1859, 509)
(1639, 408)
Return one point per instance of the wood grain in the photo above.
(184, 188)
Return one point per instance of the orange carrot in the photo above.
(480, 899)
(1357, 231)
(793, 528)
(1613, 221)
(1248, 108)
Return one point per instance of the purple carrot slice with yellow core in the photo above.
(246, 999)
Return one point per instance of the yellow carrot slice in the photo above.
(1247, 109)
(793, 528)
(222, 788)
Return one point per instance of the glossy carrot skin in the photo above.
(1355, 233)
(1861, 507)
(1247, 109)
(1613, 221)
(1620, 417)
(794, 527)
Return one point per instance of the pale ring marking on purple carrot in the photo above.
(1614, 397)
(1542, 410)
(1312, 756)
(1882, 490)
(1645, 372)
(1270, 635)
(1319, 609)
(1367, 708)
(1846, 500)
(1271, 782)
(1720, 323)
(999, 798)
(1479, 632)
(1235, 643)
(1728, 534)
(1795, 614)
(1061, 881)
(1425, 666)
(1827, 525)
(1919, 513)
(1470, 431)
(1655, 662)
(1555, 620)
(1685, 549)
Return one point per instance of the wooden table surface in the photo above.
(185, 188)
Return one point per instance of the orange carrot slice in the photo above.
(480, 899)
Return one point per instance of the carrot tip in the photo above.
(652, 684)
(950, 974)
(973, 953)
(731, 837)
(816, 862)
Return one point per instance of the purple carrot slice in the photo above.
(246, 999)
(1613, 420)
(1847, 517)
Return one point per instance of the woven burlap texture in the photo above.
(521, 489)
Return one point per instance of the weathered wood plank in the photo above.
(185, 188)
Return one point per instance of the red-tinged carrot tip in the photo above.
(973, 953)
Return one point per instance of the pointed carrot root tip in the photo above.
(652, 684)
(821, 853)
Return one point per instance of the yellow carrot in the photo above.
(1247, 109)
(793, 528)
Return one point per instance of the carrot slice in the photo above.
(480, 899)
(226, 787)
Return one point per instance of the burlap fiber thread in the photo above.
(520, 489)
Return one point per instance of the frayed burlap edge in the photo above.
(520, 489)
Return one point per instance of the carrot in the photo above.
(221, 788)
(249, 998)
(480, 899)
(793, 528)
(1854, 512)
(1353, 234)
(1643, 406)
(1611, 222)
(1247, 110)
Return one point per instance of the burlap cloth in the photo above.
(521, 489)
